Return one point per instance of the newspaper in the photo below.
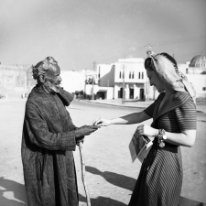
(139, 147)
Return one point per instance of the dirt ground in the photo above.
(110, 173)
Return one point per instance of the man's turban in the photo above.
(48, 67)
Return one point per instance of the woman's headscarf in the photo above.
(166, 68)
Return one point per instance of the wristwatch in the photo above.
(161, 137)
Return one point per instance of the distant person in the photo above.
(174, 125)
(49, 137)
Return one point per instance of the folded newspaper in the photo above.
(139, 147)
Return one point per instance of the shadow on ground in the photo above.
(18, 198)
(127, 183)
(114, 178)
(11, 193)
(102, 201)
(187, 202)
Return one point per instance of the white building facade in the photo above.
(195, 70)
(125, 79)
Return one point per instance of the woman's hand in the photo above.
(102, 122)
(146, 130)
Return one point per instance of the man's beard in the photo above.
(54, 82)
(51, 85)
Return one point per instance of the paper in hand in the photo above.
(139, 147)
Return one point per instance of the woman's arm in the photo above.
(126, 119)
(185, 138)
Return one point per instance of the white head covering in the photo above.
(166, 68)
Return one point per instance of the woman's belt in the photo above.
(168, 147)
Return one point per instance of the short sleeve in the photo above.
(186, 116)
(150, 109)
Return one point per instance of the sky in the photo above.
(78, 33)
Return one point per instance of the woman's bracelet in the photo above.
(161, 137)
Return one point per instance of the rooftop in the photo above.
(198, 61)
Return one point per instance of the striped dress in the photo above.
(160, 178)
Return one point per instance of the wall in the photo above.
(73, 80)
(105, 75)
(13, 80)
(199, 82)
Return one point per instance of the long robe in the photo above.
(47, 143)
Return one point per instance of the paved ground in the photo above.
(110, 173)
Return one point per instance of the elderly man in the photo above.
(48, 139)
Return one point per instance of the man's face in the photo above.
(53, 76)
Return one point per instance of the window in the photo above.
(120, 75)
(203, 88)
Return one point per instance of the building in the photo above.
(127, 79)
(195, 70)
(197, 74)
(73, 80)
(124, 79)
(79, 82)
(15, 80)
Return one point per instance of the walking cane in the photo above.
(83, 172)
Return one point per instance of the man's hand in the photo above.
(79, 139)
(85, 130)
(102, 122)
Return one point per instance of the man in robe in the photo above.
(49, 137)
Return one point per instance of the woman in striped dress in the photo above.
(174, 124)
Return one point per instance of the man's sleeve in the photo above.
(39, 134)
(65, 96)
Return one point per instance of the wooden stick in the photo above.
(83, 172)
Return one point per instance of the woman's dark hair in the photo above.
(169, 57)
(149, 62)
